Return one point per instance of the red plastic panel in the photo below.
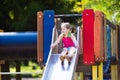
(88, 37)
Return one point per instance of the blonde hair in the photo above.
(66, 25)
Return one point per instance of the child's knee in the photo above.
(64, 52)
(70, 54)
(72, 50)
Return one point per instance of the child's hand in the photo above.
(77, 46)
(52, 46)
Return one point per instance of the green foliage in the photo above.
(20, 15)
(111, 8)
(32, 67)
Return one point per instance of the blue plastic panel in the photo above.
(48, 24)
(108, 45)
(108, 35)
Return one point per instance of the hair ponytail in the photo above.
(72, 30)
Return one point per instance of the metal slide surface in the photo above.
(56, 71)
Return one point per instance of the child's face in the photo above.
(64, 30)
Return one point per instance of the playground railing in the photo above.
(50, 52)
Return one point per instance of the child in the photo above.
(68, 41)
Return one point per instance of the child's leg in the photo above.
(63, 53)
(71, 52)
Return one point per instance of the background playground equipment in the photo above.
(29, 46)
(104, 65)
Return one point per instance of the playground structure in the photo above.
(98, 52)
(96, 61)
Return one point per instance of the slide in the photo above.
(55, 71)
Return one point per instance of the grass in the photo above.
(31, 68)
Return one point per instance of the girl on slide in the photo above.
(68, 41)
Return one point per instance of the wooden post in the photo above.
(5, 68)
(114, 72)
(99, 36)
(40, 36)
(76, 76)
(112, 42)
(100, 71)
(1, 61)
(94, 72)
(117, 43)
(18, 76)
(81, 76)
(118, 71)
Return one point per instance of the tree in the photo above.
(111, 8)
(20, 15)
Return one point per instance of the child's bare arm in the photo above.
(57, 41)
(74, 40)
